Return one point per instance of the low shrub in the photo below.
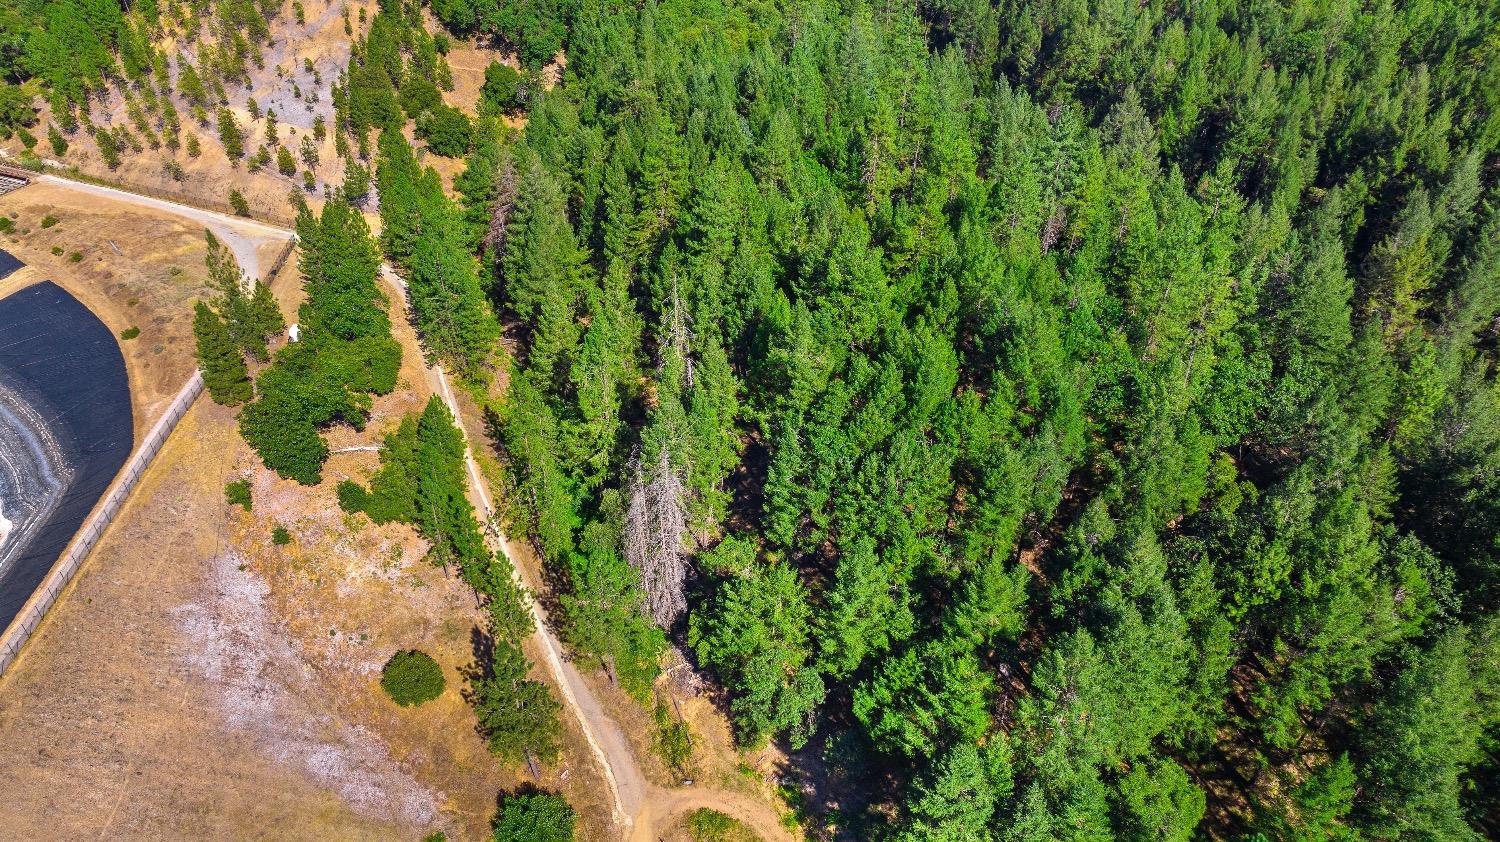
(237, 493)
(130, 332)
(447, 130)
(280, 536)
(535, 817)
(49, 220)
(75, 257)
(412, 677)
(353, 497)
(674, 743)
(707, 825)
(502, 84)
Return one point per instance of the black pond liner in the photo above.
(8, 264)
(64, 362)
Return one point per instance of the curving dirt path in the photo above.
(665, 805)
(641, 810)
(243, 236)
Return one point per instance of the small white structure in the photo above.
(293, 332)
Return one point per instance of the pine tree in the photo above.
(230, 135)
(954, 801)
(756, 636)
(356, 187)
(1422, 738)
(656, 534)
(224, 373)
(542, 270)
(517, 716)
(251, 320)
(264, 317)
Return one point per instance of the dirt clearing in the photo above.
(114, 726)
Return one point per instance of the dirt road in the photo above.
(627, 784)
(641, 810)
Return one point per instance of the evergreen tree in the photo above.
(517, 716)
(230, 135)
(251, 319)
(757, 637)
(1422, 737)
(954, 802)
(224, 373)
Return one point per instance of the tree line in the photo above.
(421, 482)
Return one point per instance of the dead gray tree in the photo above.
(1054, 228)
(493, 243)
(656, 531)
(678, 338)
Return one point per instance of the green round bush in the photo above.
(535, 817)
(412, 677)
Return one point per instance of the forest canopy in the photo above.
(1079, 422)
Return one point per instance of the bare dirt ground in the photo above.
(726, 779)
(468, 61)
(119, 719)
(138, 268)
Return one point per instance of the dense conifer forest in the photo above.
(1053, 420)
(1042, 419)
